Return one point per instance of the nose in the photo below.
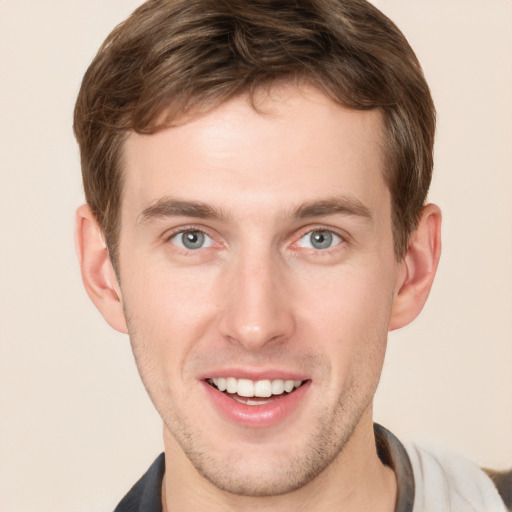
(257, 304)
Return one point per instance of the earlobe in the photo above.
(418, 268)
(96, 268)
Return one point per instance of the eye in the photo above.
(319, 239)
(192, 240)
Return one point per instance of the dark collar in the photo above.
(145, 495)
(392, 453)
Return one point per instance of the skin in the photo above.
(259, 297)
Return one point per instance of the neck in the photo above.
(355, 481)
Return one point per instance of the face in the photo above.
(257, 276)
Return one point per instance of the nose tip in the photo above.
(257, 307)
(253, 337)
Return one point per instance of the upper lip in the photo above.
(253, 374)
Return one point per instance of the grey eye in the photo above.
(319, 239)
(192, 240)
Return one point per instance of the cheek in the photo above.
(348, 317)
(162, 294)
(165, 319)
(167, 310)
(354, 299)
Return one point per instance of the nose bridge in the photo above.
(257, 311)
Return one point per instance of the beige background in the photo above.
(76, 428)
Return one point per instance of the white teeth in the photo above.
(261, 388)
(245, 387)
(277, 387)
(231, 385)
(289, 385)
(221, 384)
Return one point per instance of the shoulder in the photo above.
(443, 479)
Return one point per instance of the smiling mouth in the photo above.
(251, 392)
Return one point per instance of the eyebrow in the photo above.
(330, 206)
(167, 207)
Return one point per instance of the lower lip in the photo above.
(257, 416)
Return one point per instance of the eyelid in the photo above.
(344, 237)
(180, 230)
(183, 228)
(333, 241)
(177, 240)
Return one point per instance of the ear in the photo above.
(418, 268)
(98, 274)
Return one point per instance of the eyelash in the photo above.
(342, 241)
(183, 231)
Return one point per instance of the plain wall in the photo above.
(76, 427)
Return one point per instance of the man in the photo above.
(256, 176)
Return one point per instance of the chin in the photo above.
(256, 470)
(254, 479)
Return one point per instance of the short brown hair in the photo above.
(173, 57)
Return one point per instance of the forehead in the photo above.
(292, 145)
